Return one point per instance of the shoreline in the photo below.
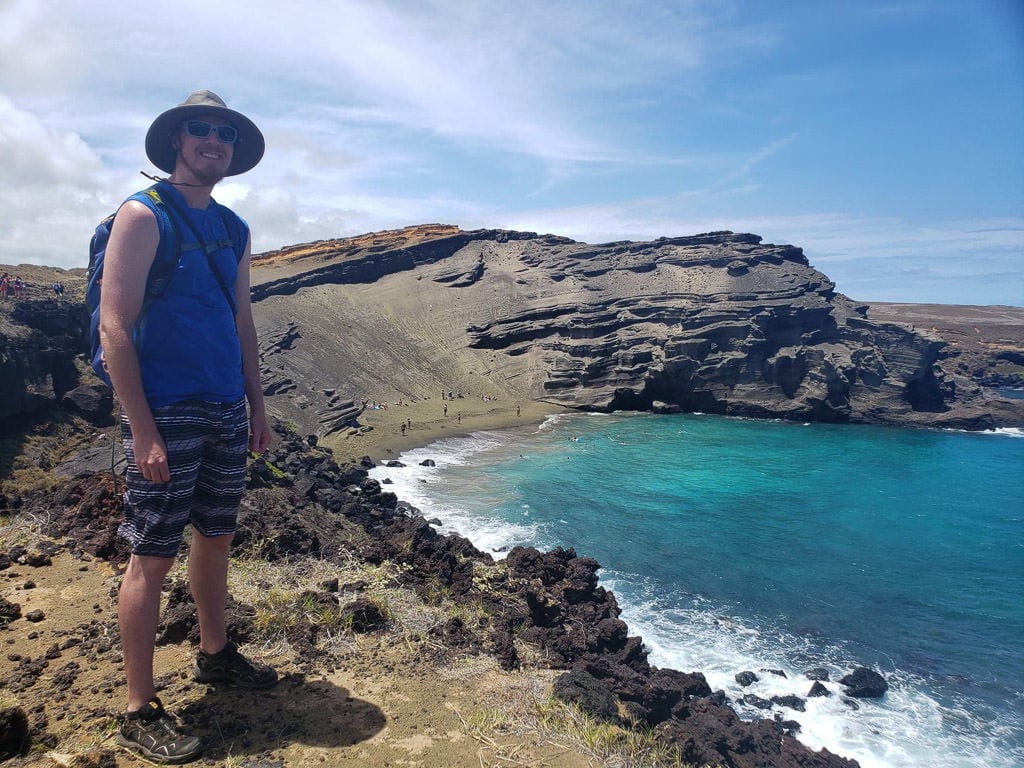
(813, 735)
(382, 438)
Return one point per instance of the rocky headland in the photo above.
(719, 323)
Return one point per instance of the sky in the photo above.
(884, 137)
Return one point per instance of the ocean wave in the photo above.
(695, 635)
(1000, 431)
(1007, 431)
(416, 484)
(551, 421)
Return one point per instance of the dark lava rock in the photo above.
(746, 678)
(708, 733)
(363, 615)
(756, 701)
(14, 732)
(9, 611)
(95, 402)
(818, 690)
(791, 701)
(580, 687)
(864, 683)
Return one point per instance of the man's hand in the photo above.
(151, 458)
(259, 434)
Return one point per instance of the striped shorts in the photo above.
(206, 455)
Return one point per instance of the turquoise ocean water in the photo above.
(737, 545)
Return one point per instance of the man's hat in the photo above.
(248, 147)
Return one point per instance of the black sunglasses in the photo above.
(201, 129)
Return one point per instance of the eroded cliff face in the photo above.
(40, 339)
(719, 323)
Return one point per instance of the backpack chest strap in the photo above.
(212, 246)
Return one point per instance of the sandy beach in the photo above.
(382, 438)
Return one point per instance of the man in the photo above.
(183, 385)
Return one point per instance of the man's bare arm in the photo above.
(134, 238)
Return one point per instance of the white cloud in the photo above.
(49, 191)
(36, 54)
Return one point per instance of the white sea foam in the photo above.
(412, 483)
(700, 638)
(1008, 431)
(550, 421)
(1001, 431)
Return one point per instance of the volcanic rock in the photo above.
(864, 683)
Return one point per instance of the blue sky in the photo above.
(885, 138)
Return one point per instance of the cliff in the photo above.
(40, 341)
(719, 323)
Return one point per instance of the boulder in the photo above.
(864, 683)
(93, 401)
(14, 732)
(746, 678)
(790, 701)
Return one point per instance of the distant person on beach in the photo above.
(183, 395)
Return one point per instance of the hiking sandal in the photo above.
(230, 666)
(153, 735)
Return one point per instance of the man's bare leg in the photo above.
(138, 613)
(208, 581)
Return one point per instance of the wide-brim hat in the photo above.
(248, 147)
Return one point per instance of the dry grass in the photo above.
(283, 595)
(524, 709)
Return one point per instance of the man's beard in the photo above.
(208, 178)
(204, 175)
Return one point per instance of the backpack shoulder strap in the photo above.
(237, 229)
(168, 251)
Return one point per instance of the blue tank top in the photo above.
(189, 347)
